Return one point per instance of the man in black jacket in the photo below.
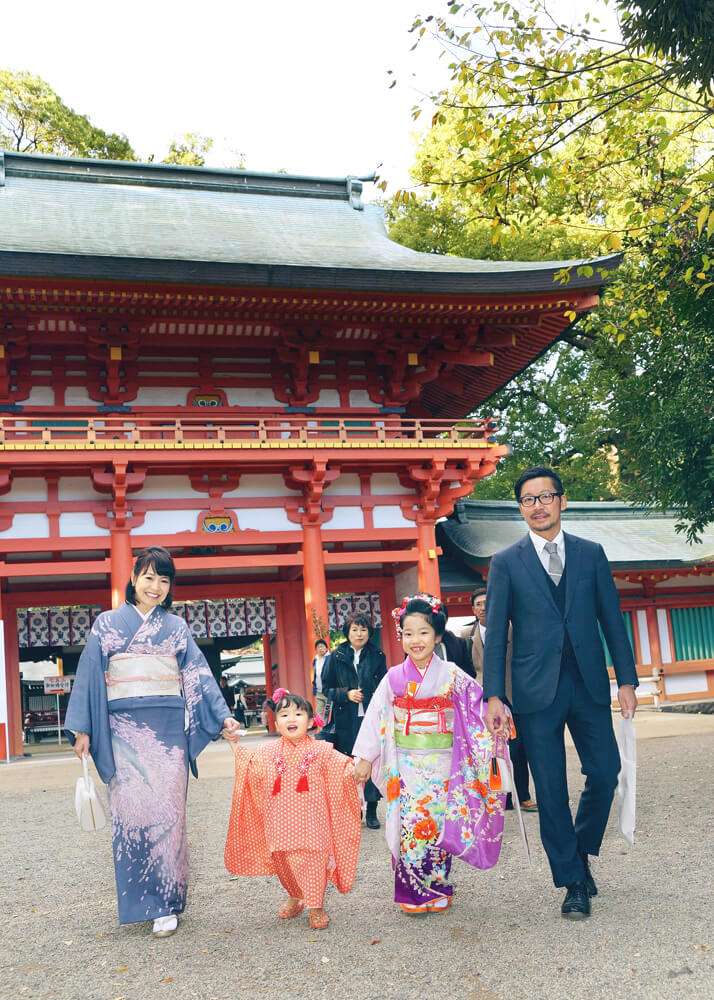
(350, 677)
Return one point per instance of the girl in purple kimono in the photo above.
(424, 743)
(145, 704)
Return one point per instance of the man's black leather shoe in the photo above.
(589, 880)
(372, 822)
(576, 905)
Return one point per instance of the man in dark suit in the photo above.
(555, 588)
(475, 634)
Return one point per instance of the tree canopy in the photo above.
(681, 30)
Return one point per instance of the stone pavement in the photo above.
(650, 935)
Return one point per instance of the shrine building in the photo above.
(245, 369)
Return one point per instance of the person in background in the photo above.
(556, 591)
(318, 665)
(475, 634)
(350, 678)
(228, 693)
(453, 649)
(241, 705)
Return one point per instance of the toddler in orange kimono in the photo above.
(295, 813)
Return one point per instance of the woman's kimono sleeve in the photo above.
(375, 740)
(88, 710)
(206, 706)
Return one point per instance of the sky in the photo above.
(301, 87)
(296, 86)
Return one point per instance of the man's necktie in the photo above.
(555, 565)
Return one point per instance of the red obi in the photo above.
(424, 715)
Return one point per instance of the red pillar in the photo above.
(122, 560)
(315, 587)
(268, 666)
(428, 564)
(11, 736)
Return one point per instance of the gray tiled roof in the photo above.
(97, 218)
(630, 537)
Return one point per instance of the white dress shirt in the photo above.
(539, 545)
(482, 632)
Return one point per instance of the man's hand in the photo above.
(81, 744)
(355, 695)
(231, 730)
(496, 717)
(628, 701)
(363, 771)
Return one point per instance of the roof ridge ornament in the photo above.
(354, 193)
(2, 168)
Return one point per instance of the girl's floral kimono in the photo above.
(149, 702)
(431, 758)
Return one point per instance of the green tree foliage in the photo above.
(545, 125)
(557, 143)
(681, 30)
(189, 151)
(34, 119)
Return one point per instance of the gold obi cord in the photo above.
(142, 676)
(423, 723)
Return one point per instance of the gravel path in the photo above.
(650, 935)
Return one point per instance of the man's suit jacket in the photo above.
(472, 635)
(520, 591)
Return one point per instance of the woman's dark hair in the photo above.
(162, 564)
(357, 619)
(286, 700)
(437, 619)
(538, 472)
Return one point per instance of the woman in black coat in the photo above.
(349, 679)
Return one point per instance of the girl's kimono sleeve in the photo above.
(345, 814)
(375, 732)
(88, 710)
(206, 706)
(246, 851)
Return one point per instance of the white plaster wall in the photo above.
(345, 486)
(168, 522)
(327, 397)
(27, 489)
(386, 483)
(79, 524)
(28, 526)
(40, 395)
(643, 636)
(167, 488)
(663, 630)
(264, 519)
(251, 397)
(344, 518)
(360, 397)
(79, 489)
(390, 517)
(77, 395)
(159, 396)
(684, 683)
(261, 486)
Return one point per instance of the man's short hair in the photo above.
(478, 592)
(538, 472)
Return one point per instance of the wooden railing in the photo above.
(20, 433)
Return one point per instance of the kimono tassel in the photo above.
(276, 785)
(302, 785)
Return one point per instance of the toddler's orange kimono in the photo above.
(295, 814)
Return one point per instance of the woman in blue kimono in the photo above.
(145, 704)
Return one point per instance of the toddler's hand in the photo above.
(231, 730)
(362, 772)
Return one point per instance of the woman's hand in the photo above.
(355, 695)
(231, 730)
(363, 771)
(81, 744)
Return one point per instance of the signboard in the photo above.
(58, 685)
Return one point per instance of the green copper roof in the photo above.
(630, 537)
(153, 222)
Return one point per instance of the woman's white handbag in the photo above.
(86, 802)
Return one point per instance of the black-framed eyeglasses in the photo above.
(546, 499)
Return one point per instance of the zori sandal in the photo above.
(318, 920)
(293, 908)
